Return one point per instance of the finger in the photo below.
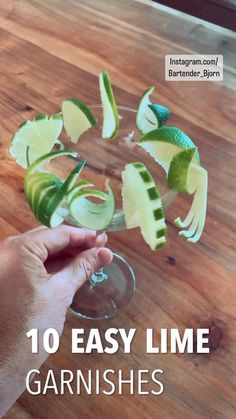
(101, 240)
(82, 268)
(48, 241)
(33, 230)
(57, 262)
(74, 251)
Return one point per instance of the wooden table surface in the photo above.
(55, 49)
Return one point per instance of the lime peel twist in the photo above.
(48, 196)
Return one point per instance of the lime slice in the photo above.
(77, 118)
(163, 143)
(145, 118)
(149, 115)
(142, 204)
(46, 193)
(110, 113)
(89, 214)
(35, 138)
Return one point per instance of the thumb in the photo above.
(81, 268)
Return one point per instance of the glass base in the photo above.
(106, 298)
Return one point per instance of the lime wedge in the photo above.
(77, 118)
(35, 138)
(163, 143)
(89, 214)
(142, 204)
(150, 115)
(110, 113)
(46, 193)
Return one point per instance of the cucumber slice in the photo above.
(38, 135)
(88, 214)
(110, 113)
(77, 118)
(142, 204)
(150, 115)
(163, 143)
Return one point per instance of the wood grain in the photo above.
(53, 50)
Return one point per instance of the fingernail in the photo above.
(104, 256)
(101, 239)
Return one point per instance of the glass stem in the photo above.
(97, 277)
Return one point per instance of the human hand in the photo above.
(40, 272)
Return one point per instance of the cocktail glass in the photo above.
(110, 289)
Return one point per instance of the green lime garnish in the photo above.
(91, 214)
(46, 193)
(77, 118)
(163, 143)
(35, 138)
(143, 205)
(150, 115)
(110, 113)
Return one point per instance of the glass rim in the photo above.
(97, 106)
